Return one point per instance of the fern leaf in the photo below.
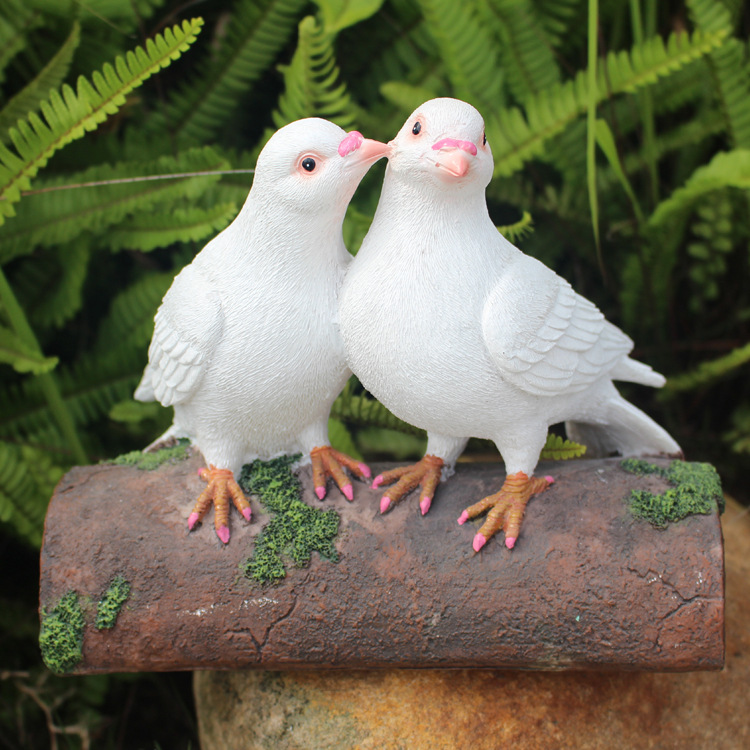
(362, 410)
(49, 218)
(729, 65)
(341, 439)
(50, 77)
(68, 114)
(559, 449)
(515, 138)
(468, 52)
(311, 87)
(518, 230)
(525, 51)
(257, 31)
(556, 17)
(130, 320)
(27, 478)
(709, 372)
(146, 232)
(15, 23)
(726, 169)
(339, 14)
(23, 358)
(51, 292)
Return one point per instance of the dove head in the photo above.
(312, 167)
(442, 147)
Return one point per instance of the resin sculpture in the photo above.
(245, 345)
(456, 331)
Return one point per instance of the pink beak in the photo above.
(367, 150)
(454, 156)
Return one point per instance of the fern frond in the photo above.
(146, 231)
(729, 65)
(89, 389)
(27, 478)
(50, 77)
(362, 410)
(68, 114)
(341, 439)
(22, 357)
(558, 448)
(708, 372)
(15, 23)
(468, 53)
(520, 229)
(130, 320)
(257, 31)
(726, 169)
(311, 81)
(515, 138)
(525, 51)
(339, 14)
(51, 292)
(49, 218)
(556, 17)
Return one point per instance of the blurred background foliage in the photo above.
(622, 160)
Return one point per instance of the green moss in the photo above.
(296, 529)
(110, 604)
(696, 489)
(61, 634)
(151, 461)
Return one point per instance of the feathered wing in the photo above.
(544, 338)
(188, 325)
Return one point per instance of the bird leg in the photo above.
(326, 463)
(506, 508)
(221, 487)
(425, 473)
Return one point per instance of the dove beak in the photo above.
(365, 150)
(454, 156)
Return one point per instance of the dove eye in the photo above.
(308, 164)
(417, 129)
(484, 139)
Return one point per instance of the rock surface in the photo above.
(587, 586)
(392, 709)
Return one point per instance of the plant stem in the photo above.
(47, 381)
(591, 126)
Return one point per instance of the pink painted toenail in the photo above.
(247, 513)
(365, 469)
(377, 481)
(320, 492)
(463, 518)
(510, 542)
(425, 504)
(223, 533)
(479, 541)
(385, 503)
(192, 520)
(348, 492)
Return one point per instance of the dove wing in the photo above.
(544, 338)
(188, 325)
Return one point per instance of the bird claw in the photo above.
(327, 463)
(221, 487)
(506, 508)
(425, 473)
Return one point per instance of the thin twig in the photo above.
(144, 178)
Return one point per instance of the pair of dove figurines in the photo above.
(442, 319)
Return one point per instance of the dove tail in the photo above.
(633, 371)
(627, 432)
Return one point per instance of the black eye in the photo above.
(308, 164)
(484, 139)
(417, 129)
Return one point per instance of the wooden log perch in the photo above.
(588, 585)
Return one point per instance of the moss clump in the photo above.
(151, 461)
(61, 634)
(696, 489)
(110, 604)
(296, 529)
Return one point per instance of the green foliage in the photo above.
(83, 270)
(296, 529)
(61, 634)
(558, 448)
(109, 606)
(696, 489)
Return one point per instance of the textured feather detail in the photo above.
(562, 343)
(187, 326)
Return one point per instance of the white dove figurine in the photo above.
(246, 346)
(456, 331)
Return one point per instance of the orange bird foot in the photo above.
(506, 508)
(327, 464)
(425, 473)
(221, 487)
